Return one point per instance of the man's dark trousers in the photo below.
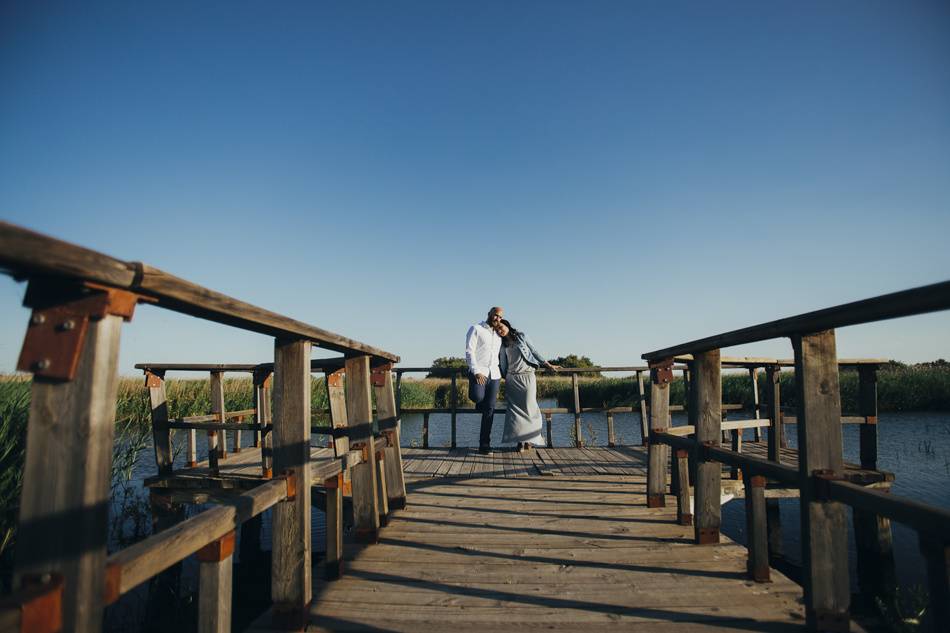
(484, 397)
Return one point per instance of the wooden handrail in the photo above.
(890, 306)
(25, 253)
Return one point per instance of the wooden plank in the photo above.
(756, 527)
(644, 419)
(454, 401)
(336, 397)
(773, 401)
(919, 300)
(578, 432)
(161, 434)
(291, 582)
(754, 377)
(824, 523)
(386, 409)
(64, 503)
(333, 566)
(359, 407)
(659, 454)
(705, 413)
(936, 553)
(217, 444)
(215, 568)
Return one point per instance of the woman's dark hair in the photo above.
(512, 335)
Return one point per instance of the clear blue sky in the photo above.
(620, 176)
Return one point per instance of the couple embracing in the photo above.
(495, 349)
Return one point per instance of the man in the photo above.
(482, 346)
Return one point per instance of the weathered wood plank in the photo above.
(359, 408)
(291, 583)
(386, 410)
(659, 454)
(824, 523)
(161, 434)
(705, 414)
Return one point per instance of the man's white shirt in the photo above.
(481, 351)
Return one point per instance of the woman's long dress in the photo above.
(523, 419)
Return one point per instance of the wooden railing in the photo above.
(824, 492)
(79, 300)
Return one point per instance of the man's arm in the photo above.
(471, 341)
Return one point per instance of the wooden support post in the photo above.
(686, 387)
(661, 375)
(386, 410)
(547, 423)
(736, 441)
(425, 430)
(215, 567)
(399, 393)
(754, 377)
(578, 431)
(874, 544)
(336, 397)
(824, 523)
(217, 443)
(684, 514)
(262, 413)
(192, 449)
(64, 503)
(611, 435)
(359, 408)
(291, 588)
(867, 407)
(705, 414)
(334, 563)
(161, 434)
(382, 496)
(773, 516)
(756, 528)
(454, 402)
(773, 402)
(936, 553)
(644, 419)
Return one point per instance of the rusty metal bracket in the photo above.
(217, 550)
(870, 419)
(707, 536)
(40, 603)
(262, 377)
(336, 481)
(335, 379)
(154, 378)
(291, 479)
(821, 479)
(390, 436)
(661, 371)
(363, 448)
(378, 374)
(57, 329)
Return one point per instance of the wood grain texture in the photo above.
(214, 596)
(217, 443)
(824, 523)
(578, 432)
(773, 403)
(336, 397)
(291, 583)
(386, 409)
(659, 454)
(359, 409)
(644, 418)
(161, 434)
(66, 478)
(705, 414)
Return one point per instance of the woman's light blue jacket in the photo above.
(528, 352)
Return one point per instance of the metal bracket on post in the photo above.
(40, 604)
(378, 374)
(217, 550)
(154, 378)
(661, 371)
(262, 377)
(335, 379)
(363, 448)
(57, 329)
(291, 478)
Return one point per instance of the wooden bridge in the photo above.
(558, 538)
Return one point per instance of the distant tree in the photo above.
(575, 361)
(447, 365)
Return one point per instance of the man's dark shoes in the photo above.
(484, 450)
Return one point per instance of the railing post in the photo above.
(644, 419)
(291, 588)
(425, 430)
(217, 445)
(215, 567)
(661, 375)
(161, 434)
(824, 523)
(359, 408)
(64, 503)
(399, 393)
(756, 528)
(262, 414)
(773, 524)
(454, 401)
(705, 414)
(773, 401)
(611, 436)
(754, 376)
(684, 515)
(578, 432)
(936, 553)
(386, 410)
(547, 422)
(334, 563)
(867, 407)
(336, 398)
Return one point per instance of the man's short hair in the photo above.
(495, 310)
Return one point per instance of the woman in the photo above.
(518, 360)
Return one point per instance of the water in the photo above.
(914, 446)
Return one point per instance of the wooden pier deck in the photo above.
(558, 539)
